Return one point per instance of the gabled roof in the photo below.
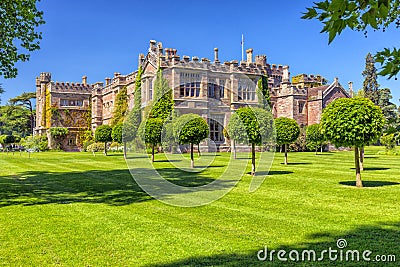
(326, 89)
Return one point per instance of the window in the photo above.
(301, 107)
(71, 103)
(189, 85)
(221, 88)
(72, 141)
(212, 88)
(216, 128)
(150, 81)
(246, 89)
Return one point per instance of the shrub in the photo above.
(86, 144)
(95, 147)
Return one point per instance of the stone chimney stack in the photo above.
(285, 74)
(216, 60)
(249, 53)
(108, 81)
(351, 89)
(84, 80)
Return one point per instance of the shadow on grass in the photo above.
(381, 239)
(297, 163)
(271, 172)
(113, 187)
(373, 169)
(369, 183)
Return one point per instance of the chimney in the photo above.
(285, 74)
(249, 53)
(336, 81)
(108, 81)
(351, 89)
(216, 55)
(84, 80)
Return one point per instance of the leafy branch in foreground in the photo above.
(360, 15)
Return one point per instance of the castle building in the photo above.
(211, 89)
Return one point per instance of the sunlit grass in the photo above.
(74, 209)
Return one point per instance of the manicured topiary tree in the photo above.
(152, 135)
(352, 122)
(103, 134)
(191, 129)
(287, 131)
(116, 135)
(253, 126)
(314, 135)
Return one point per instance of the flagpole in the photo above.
(242, 48)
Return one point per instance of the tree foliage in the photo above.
(264, 98)
(287, 130)
(254, 126)
(116, 133)
(370, 84)
(163, 101)
(360, 15)
(15, 119)
(25, 100)
(315, 136)
(388, 108)
(352, 122)
(18, 22)
(58, 132)
(103, 134)
(120, 107)
(389, 141)
(191, 129)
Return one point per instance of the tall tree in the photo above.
(352, 122)
(163, 101)
(18, 22)
(25, 100)
(134, 117)
(359, 15)
(1, 92)
(370, 84)
(14, 119)
(120, 107)
(264, 99)
(388, 108)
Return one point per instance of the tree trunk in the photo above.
(105, 148)
(357, 162)
(234, 148)
(285, 148)
(322, 148)
(316, 147)
(152, 153)
(198, 150)
(124, 150)
(191, 156)
(362, 158)
(253, 159)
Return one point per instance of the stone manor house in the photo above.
(212, 89)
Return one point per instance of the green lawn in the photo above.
(73, 209)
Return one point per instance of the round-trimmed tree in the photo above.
(253, 126)
(152, 135)
(352, 122)
(315, 136)
(287, 131)
(191, 129)
(103, 134)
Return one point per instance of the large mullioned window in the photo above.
(189, 85)
(247, 89)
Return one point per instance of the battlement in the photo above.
(71, 87)
(168, 57)
(307, 80)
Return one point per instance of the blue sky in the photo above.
(98, 38)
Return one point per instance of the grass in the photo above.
(73, 209)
